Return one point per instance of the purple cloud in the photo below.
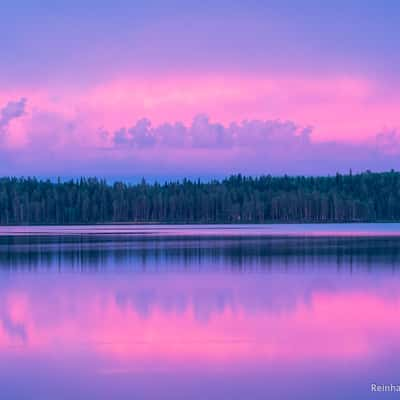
(12, 110)
(141, 135)
(172, 135)
(67, 146)
(203, 134)
(207, 135)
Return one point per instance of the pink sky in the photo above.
(330, 71)
(338, 108)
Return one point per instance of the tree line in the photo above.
(238, 199)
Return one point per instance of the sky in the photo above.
(130, 89)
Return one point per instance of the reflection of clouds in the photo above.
(210, 317)
(203, 302)
(207, 302)
(14, 330)
(144, 302)
(11, 317)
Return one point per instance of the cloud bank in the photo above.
(204, 134)
(67, 145)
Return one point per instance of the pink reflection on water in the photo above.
(127, 320)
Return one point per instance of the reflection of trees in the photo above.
(98, 252)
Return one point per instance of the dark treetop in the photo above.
(237, 199)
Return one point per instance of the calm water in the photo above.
(264, 312)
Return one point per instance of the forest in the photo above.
(348, 197)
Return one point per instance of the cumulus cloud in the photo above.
(204, 134)
(172, 135)
(12, 110)
(140, 135)
(209, 135)
(71, 144)
(251, 146)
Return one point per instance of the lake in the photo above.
(199, 312)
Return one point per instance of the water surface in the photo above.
(264, 312)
